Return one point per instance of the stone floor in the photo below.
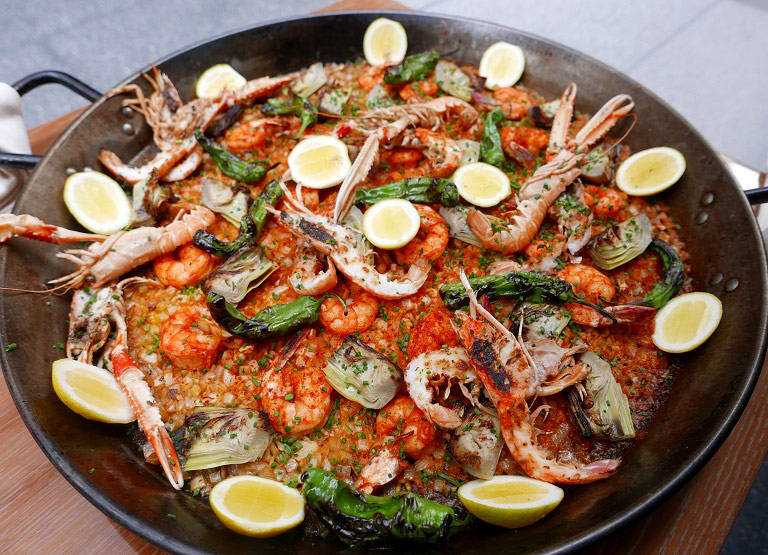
(707, 58)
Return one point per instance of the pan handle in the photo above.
(32, 81)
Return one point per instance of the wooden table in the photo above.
(41, 513)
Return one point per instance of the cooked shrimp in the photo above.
(184, 169)
(251, 134)
(386, 464)
(402, 157)
(425, 89)
(296, 396)
(432, 332)
(398, 418)
(597, 287)
(444, 154)
(574, 218)
(429, 372)
(340, 244)
(362, 309)
(371, 77)
(605, 202)
(503, 366)
(523, 144)
(187, 265)
(514, 102)
(307, 276)
(430, 241)
(543, 254)
(541, 190)
(190, 339)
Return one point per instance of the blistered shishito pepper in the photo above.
(491, 151)
(302, 108)
(250, 226)
(672, 275)
(423, 190)
(413, 68)
(230, 164)
(361, 520)
(274, 321)
(525, 286)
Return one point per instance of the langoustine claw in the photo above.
(24, 225)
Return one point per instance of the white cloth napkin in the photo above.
(13, 137)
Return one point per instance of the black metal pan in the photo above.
(728, 259)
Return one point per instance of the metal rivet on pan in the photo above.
(707, 199)
(701, 217)
(87, 169)
(70, 171)
(715, 279)
(128, 129)
(731, 284)
(127, 112)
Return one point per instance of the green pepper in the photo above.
(524, 286)
(274, 321)
(413, 68)
(672, 276)
(490, 149)
(361, 520)
(424, 190)
(250, 226)
(230, 164)
(302, 108)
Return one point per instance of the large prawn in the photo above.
(505, 369)
(88, 331)
(174, 123)
(541, 190)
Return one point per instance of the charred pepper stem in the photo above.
(230, 164)
(525, 286)
(251, 225)
(274, 321)
(423, 190)
(302, 108)
(672, 277)
(361, 520)
(413, 68)
(490, 148)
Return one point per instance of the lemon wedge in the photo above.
(217, 79)
(257, 507)
(686, 322)
(319, 162)
(91, 392)
(482, 184)
(385, 42)
(97, 202)
(390, 224)
(650, 171)
(510, 501)
(502, 65)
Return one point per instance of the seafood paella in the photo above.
(387, 284)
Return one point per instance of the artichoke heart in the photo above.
(470, 151)
(310, 81)
(604, 412)
(362, 374)
(225, 200)
(477, 444)
(452, 80)
(544, 320)
(621, 243)
(456, 218)
(244, 271)
(216, 436)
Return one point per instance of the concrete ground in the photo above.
(708, 58)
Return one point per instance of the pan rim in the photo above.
(147, 530)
